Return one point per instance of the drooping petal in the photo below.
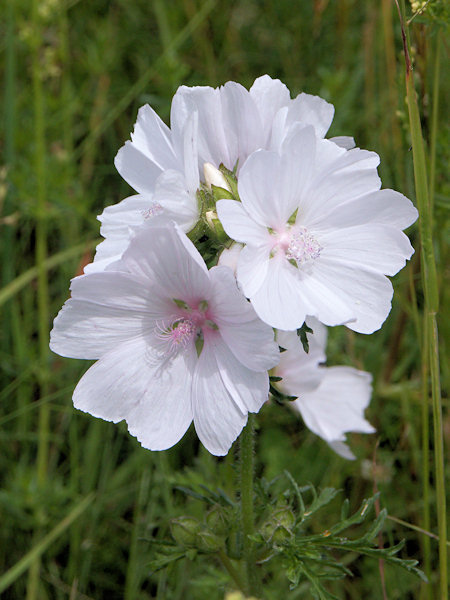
(299, 370)
(249, 339)
(337, 406)
(217, 418)
(126, 384)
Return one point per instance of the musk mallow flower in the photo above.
(331, 400)
(319, 235)
(209, 127)
(174, 343)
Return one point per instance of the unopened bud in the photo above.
(184, 530)
(214, 177)
(208, 541)
(216, 521)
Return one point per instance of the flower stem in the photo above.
(431, 293)
(248, 517)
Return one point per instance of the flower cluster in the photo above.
(246, 222)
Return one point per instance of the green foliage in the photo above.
(97, 62)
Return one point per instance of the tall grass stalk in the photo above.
(431, 293)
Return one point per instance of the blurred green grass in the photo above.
(74, 76)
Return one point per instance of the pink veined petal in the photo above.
(136, 168)
(105, 309)
(382, 206)
(378, 247)
(269, 95)
(279, 301)
(239, 225)
(153, 138)
(252, 268)
(249, 339)
(163, 258)
(217, 418)
(337, 405)
(366, 293)
(249, 389)
(125, 384)
(311, 110)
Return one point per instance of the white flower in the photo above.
(319, 234)
(208, 127)
(175, 343)
(331, 400)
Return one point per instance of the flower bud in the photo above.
(207, 541)
(216, 521)
(214, 177)
(184, 530)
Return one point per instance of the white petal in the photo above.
(366, 293)
(242, 123)
(212, 141)
(136, 168)
(382, 206)
(252, 267)
(217, 418)
(105, 309)
(299, 370)
(342, 449)
(153, 138)
(249, 389)
(239, 225)
(311, 110)
(190, 153)
(249, 339)
(337, 405)
(180, 204)
(164, 259)
(379, 247)
(269, 96)
(229, 257)
(125, 384)
(269, 187)
(279, 301)
(343, 141)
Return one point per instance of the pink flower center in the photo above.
(297, 244)
(153, 210)
(184, 329)
(303, 247)
(178, 336)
